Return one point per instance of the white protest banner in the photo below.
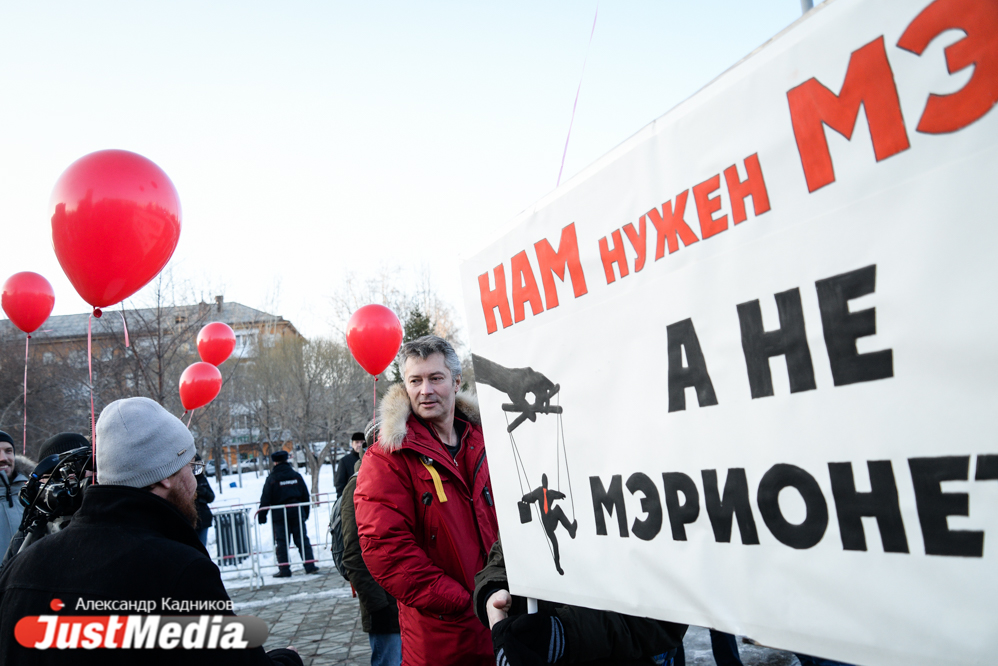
(753, 350)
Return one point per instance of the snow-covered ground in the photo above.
(246, 499)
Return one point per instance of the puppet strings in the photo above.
(564, 451)
(519, 461)
(520, 466)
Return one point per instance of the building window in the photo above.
(245, 343)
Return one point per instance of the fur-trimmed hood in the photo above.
(24, 465)
(395, 409)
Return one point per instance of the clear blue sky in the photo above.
(311, 138)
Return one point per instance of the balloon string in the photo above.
(122, 313)
(189, 419)
(24, 447)
(577, 90)
(374, 421)
(90, 369)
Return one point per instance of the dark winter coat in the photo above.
(10, 505)
(344, 470)
(591, 636)
(123, 544)
(425, 552)
(284, 486)
(205, 497)
(379, 614)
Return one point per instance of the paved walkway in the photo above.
(319, 617)
(316, 614)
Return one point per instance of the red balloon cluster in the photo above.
(115, 223)
(216, 342)
(200, 383)
(374, 335)
(28, 300)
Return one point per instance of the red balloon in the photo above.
(199, 385)
(374, 335)
(28, 300)
(216, 342)
(115, 224)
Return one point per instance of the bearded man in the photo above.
(132, 540)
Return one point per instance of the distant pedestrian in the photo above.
(344, 469)
(205, 497)
(379, 613)
(286, 486)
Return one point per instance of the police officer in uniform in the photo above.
(285, 486)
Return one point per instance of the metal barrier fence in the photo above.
(245, 547)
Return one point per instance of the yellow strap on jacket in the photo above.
(437, 483)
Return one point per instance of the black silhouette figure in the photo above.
(551, 515)
(517, 383)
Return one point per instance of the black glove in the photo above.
(386, 620)
(528, 640)
(262, 517)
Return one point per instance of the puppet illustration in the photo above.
(551, 515)
(518, 384)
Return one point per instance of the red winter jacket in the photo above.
(425, 551)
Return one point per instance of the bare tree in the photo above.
(58, 396)
(165, 335)
(310, 391)
(403, 293)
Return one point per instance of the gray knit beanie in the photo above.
(140, 443)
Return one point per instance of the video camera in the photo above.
(55, 487)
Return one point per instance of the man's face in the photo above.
(7, 458)
(183, 494)
(357, 445)
(432, 391)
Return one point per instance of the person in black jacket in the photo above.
(566, 634)
(344, 469)
(205, 497)
(132, 540)
(379, 612)
(285, 486)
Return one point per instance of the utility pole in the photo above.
(239, 466)
(805, 5)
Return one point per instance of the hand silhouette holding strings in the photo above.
(517, 383)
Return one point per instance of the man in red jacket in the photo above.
(425, 514)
